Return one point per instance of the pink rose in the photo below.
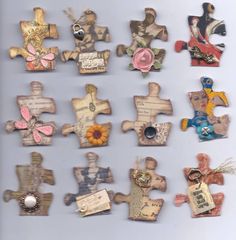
(143, 59)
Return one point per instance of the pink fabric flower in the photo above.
(143, 59)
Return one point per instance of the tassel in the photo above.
(228, 166)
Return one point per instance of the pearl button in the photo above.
(30, 201)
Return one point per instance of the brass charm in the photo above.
(90, 133)
(86, 33)
(200, 198)
(93, 203)
(37, 57)
(31, 201)
(149, 132)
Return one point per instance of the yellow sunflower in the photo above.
(97, 134)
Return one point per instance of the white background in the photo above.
(118, 85)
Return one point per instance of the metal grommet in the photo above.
(150, 132)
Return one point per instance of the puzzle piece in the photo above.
(141, 207)
(200, 198)
(202, 52)
(149, 132)
(144, 57)
(208, 126)
(90, 133)
(37, 57)
(32, 130)
(88, 178)
(86, 34)
(31, 201)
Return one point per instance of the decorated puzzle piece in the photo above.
(202, 202)
(37, 57)
(144, 57)
(149, 132)
(34, 131)
(202, 52)
(141, 207)
(90, 133)
(86, 34)
(208, 126)
(31, 201)
(88, 179)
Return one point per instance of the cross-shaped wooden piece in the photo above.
(202, 51)
(37, 57)
(207, 125)
(89, 132)
(143, 181)
(149, 132)
(144, 57)
(31, 201)
(208, 176)
(32, 130)
(86, 34)
(88, 178)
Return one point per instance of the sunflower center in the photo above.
(97, 134)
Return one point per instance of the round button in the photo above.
(150, 132)
(83, 208)
(30, 201)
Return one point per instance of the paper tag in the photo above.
(93, 203)
(200, 198)
(91, 60)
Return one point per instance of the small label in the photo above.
(200, 198)
(93, 203)
(91, 60)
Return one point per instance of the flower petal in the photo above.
(36, 136)
(25, 113)
(20, 125)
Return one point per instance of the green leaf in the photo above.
(145, 74)
(157, 65)
(129, 52)
(142, 44)
(131, 67)
(155, 51)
